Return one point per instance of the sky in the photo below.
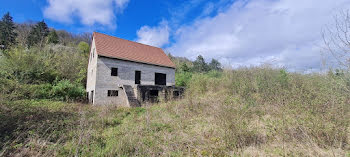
(283, 33)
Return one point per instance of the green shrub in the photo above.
(182, 78)
(41, 91)
(35, 73)
(198, 84)
(61, 90)
(84, 47)
(65, 90)
(214, 74)
(283, 78)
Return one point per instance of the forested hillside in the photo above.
(256, 111)
(38, 62)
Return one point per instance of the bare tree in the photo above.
(23, 31)
(86, 37)
(336, 38)
(67, 38)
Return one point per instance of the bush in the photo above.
(182, 78)
(42, 73)
(65, 90)
(84, 47)
(198, 84)
(214, 74)
(41, 91)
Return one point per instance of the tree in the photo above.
(170, 56)
(215, 65)
(336, 39)
(184, 67)
(23, 30)
(86, 37)
(67, 38)
(199, 65)
(84, 47)
(7, 31)
(52, 37)
(38, 34)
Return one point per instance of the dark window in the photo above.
(153, 92)
(114, 72)
(92, 96)
(112, 93)
(160, 79)
(137, 77)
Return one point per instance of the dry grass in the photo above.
(246, 112)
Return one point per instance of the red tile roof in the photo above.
(114, 47)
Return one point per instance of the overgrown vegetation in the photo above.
(255, 111)
(53, 72)
(41, 67)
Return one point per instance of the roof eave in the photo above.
(125, 59)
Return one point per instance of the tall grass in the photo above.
(244, 112)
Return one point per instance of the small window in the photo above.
(112, 93)
(114, 72)
(93, 53)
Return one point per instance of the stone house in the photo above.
(127, 73)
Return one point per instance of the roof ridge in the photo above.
(128, 40)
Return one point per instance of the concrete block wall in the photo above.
(91, 72)
(126, 76)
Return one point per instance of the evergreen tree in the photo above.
(52, 37)
(215, 65)
(38, 34)
(199, 65)
(7, 32)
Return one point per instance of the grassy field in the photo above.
(244, 112)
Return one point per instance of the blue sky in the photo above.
(285, 33)
(127, 21)
(124, 25)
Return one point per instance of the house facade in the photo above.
(126, 73)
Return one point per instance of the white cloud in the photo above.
(89, 12)
(208, 9)
(121, 3)
(155, 36)
(283, 32)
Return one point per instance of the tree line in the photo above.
(185, 68)
(197, 66)
(37, 34)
